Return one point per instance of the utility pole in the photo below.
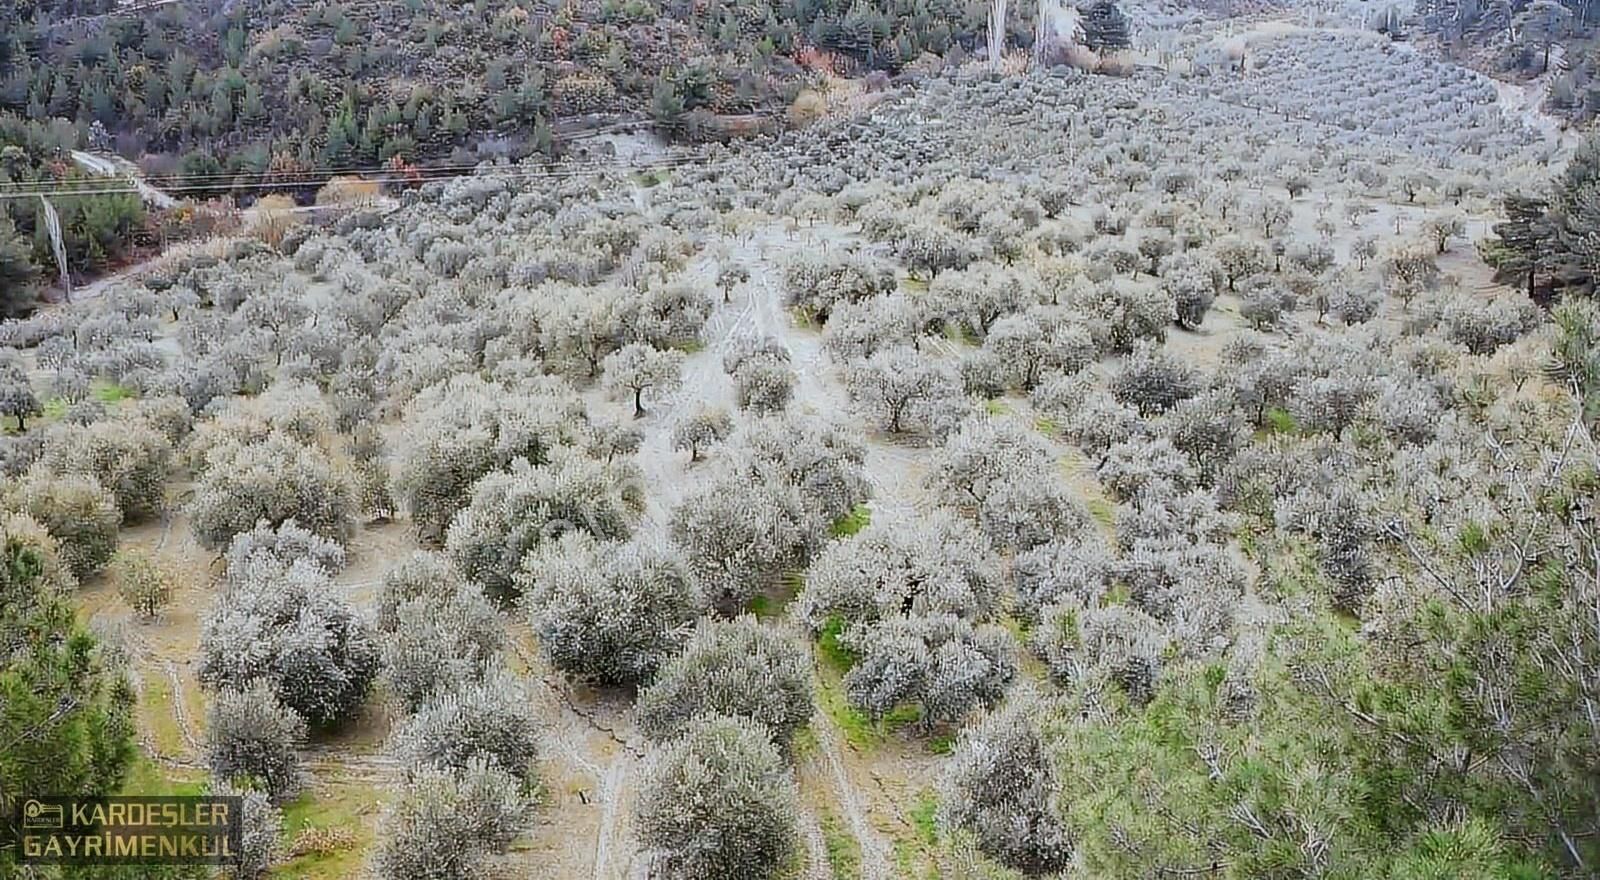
(52, 223)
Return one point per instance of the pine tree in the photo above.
(17, 273)
(1524, 242)
(1574, 217)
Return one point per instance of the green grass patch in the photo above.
(1030, 663)
(774, 600)
(913, 285)
(1046, 425)
(923, 814)
(996, 407)
(653, 177)
(803, 317)
(835, 655)
(147, 777)
(843, 850)
(1102, 511)
(857, 519)
(858, 729)
(1278, 421)
(337, 822)
(157, 712)
(915, 854)
(1473, 539)
(762, 606)
(1119, 594)
(835, 660)
(942, 744)
(110, 392)
(805, 743)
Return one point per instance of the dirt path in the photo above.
(611, 796)
(874, 848)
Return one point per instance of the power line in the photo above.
(496, 174)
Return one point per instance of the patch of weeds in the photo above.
(327, 835)
(1102, 511)
(843, 850)
(858, 729)
(923, 814)
(804, 743)
(836, 656)
(1279, 421)
(110, 392)
(774, 600)
(857, 519)
(1046, 425)
(1473, 539)
(901, 716)
(803, 317)
(996, 407)
(942, 744)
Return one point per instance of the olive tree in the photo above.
(1001, 786)
(944, 665)
(900, 389)
(76, 510)
(739, 534)
(1152, 381)
(277, 479)
(718, 801)
(489, 722)
(260, 830)
(818, 282)
(637, 367)
(286, 626)
(449, 823)
(607, 612)
(515, 511)
(938, 564)
(142, 583)
(286, 544)
(701, 429)
(252, 736)
(739, 668)
(456, 432)
(436, 644)
(1080, 569)
(17, 398)
(126, 456)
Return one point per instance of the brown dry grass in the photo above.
(274, 218)
(348, 191)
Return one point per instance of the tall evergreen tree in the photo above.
(17, 273)
(66, 722)
(1524, 243)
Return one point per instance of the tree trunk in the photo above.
(638, 403)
